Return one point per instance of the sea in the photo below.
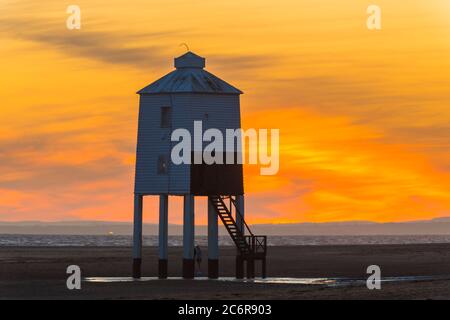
(111, 240)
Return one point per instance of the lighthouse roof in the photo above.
(190, 77)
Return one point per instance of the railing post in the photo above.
(264, 269)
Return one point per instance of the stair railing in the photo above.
(240, 217)
(256, 244)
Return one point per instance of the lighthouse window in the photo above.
(166, 117)
(163, 164)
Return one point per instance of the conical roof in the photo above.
(190, 77)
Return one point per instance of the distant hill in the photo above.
(440, 226)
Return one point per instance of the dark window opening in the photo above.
(163, 165)
(166, 117)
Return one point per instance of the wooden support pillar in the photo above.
(241, 208)
(240, 225)
(188, 237)
(213, 242)
(137, 236)
(250, 268)
(163, 235)
(263, 268)
(239, 267)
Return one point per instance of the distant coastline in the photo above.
(151, 241)
(439, 226)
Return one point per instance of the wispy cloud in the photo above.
(119, 47)
(108, 47)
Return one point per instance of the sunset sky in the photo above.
(364, 116)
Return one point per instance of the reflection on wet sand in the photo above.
(297, 281)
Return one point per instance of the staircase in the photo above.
(250, 247)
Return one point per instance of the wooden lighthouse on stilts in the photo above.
(183, 99)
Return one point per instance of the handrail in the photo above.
(256, 244)
(241, 218)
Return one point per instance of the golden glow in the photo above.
(363, 116)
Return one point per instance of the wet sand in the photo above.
(40, 273)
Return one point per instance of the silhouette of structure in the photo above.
(189, 94)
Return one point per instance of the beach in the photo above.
(40, 273)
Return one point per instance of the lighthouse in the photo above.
(184, 99)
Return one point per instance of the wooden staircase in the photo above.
(250, 247)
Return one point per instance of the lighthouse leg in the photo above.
(163, 235)
(213, 242)
(240, 224)
(137, 236)
(250, 267)
(241, 208)
(264, 272)
(239, 266)
(188, 237)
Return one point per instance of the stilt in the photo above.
(240, 225)
(263, 269)
(239, 267)
(241, 208)
(250, 268)
(163, 235)
(137, 236)
(188, 237)
(213, 242)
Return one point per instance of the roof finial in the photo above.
(185, 45)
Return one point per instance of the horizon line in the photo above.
(438, 219)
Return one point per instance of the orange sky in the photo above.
(364, 116)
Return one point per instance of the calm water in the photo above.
(124, 241)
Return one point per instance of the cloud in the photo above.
(60, 174)
(116, 47)
(333, 169)
(239, 67)
(51, 162)
(108, 47)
